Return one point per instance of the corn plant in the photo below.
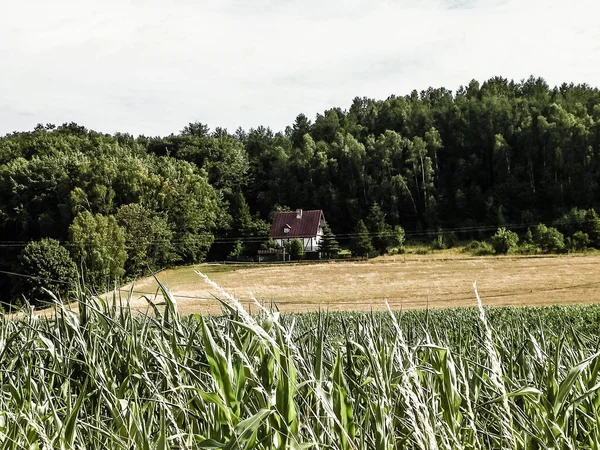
(103, 376)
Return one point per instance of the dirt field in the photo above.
(405, 281)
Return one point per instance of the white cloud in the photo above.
(151, 67)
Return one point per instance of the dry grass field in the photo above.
(405, 281)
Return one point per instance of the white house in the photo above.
(304, 225)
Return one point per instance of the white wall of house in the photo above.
(311, 244)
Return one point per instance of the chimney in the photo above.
(298, 214)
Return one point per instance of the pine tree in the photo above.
(361, 242)
(329, 246)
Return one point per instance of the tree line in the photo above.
(496, 154)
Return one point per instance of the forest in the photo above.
(496, 154)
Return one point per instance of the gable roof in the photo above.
(306, 226)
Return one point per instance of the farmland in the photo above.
(522, 378)
(406, 281)
(98, 374)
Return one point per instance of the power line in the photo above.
(33, 277)
(251, 239)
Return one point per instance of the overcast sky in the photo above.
(150, 67)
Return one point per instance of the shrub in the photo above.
(571, 222)
(450, 239)
(479, 248)
(529, 236)
(580, 240)
(50, 266)
(438, 243)
(527, 248)
(237, 251)
(296, 249)
(592, 227)
(444, 240)
(504, 241)
(549, 239)
(397, 239)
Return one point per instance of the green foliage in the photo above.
(148, 239)
(527, 249)
(443, 241)
(464, 378)
(191, 206)
(56, 173)
(295, 249)
(438, 242)
(238, 250)
(450, 239)
(549, 239)
(269, 244)
(244, 226)
(98, 246)
(529, 236)
(378, 228)
(49, 268)
(397, 238)
(360, 244)
(571, 222)
(504, 241)
(479, 248)
(592, 227)
(486, 154)
(329, 246)
(580, 240)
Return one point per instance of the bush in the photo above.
(592, 227)
(504, 241)
(571, 222)
(450, 239)
(438, 243)
(237, 251)
(549, 239)
(296, 249)
(580, 241)
(527, 248)
(529, 236)
(444, 240)
(397, 239)
(583, 221)
(51, 267)
(479, 248)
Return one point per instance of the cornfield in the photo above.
(105, 377)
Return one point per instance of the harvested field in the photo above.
(405, 281)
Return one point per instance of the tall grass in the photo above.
(104, 377)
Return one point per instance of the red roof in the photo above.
(306, 226)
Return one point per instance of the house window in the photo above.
(286, 230)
